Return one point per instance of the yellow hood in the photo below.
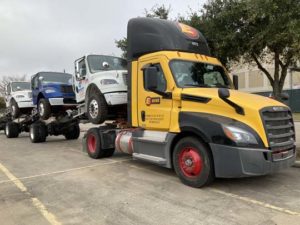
(251, 104)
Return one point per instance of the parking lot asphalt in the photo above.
(56, 183)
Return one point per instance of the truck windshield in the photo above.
(102, 62)
(197, 74)
(20, 86)
(60, 78)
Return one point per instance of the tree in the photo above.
(161, 12)
(256, 31)
(2, 104)
(6, 79)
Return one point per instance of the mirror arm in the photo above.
(165, 95)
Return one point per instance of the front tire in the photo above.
(12, 130)
(44, 109)
(15, 110)
(97, 108)
(38, 132)
(193, 162)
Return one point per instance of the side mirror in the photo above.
(151, 78)
(235, 81)
(105, 65)
(82, 72)
(223, 93)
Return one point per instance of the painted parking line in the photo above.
(65, 171)
(51, 218)
(255, 202)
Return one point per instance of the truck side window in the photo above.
(82, 68)
(34, 82)
(162, 84)
(8, 89)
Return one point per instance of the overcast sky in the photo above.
(48, 35)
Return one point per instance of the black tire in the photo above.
(12, 130)
(193, 162)
(15, 110)
(93, 144)
(73, 132)
(109, 152)
(97, 108)
(38, 132)
(44, 109)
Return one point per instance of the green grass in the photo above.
(296, 117)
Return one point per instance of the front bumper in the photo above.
(25, 104)
(116, 98)
(62, 102)
(233, 162)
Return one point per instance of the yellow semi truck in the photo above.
(184, 112)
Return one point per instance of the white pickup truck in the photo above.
(100, 86)
(18, 98)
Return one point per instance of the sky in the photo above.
(48, 35)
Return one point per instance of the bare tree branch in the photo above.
(259, 65)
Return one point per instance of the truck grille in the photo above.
(279, 126)
(125, 78)
(66, 89)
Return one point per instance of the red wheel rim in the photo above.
(190, 162)
(91, 143)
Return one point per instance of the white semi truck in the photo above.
(100, 85)
(18, 98)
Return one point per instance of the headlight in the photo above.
(20, 96)
(108, 81)
(239, 135)
(50, 90)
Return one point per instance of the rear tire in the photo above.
(73, 132)
(44, 109)
(93, 144)
(193, 162)
(97, 108)
(12, 130)
(38, 132)
(15, 110)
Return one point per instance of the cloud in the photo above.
(48, 35)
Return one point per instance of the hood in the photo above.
(208, 101)
(108, 77)
(23, 92)
(245, 100)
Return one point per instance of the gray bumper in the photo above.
(232, 162)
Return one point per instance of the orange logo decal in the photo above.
(148, 101)
(189, 31)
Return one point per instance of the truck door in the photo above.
(154, 110)
(35, 88)
(80, 80)
(7, 94)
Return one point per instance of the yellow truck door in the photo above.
(154, 110)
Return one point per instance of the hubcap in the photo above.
(6, 130)
(91, 142)
(41, 109)
(31, 133)
(190, 162)
(93, 108)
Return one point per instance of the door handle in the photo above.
(143, 115)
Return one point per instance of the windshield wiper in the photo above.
(221, 85)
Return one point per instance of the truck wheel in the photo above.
(44, 108)
(93, 144)
(73, 132)
(15, 110)
(193, 162)
(12, 130)
(97, 108)
(38, 132)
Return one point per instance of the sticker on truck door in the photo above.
(150, 101)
